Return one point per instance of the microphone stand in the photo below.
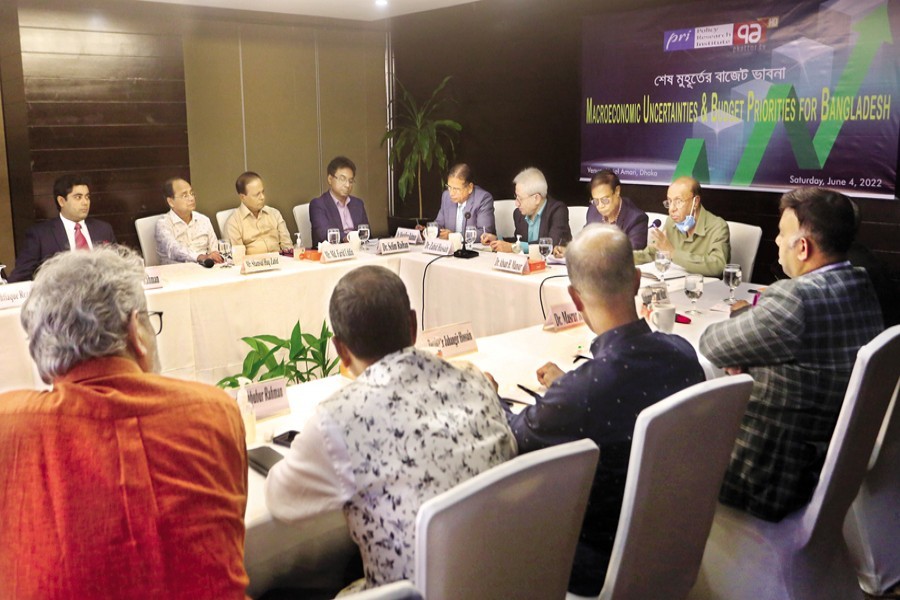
(463, 252)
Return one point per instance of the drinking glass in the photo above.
(431, 230)
(662, 262)
(334, 236)
(225, 251)
(363, 233)
(545, 246)
(693, 289)
(732, 278)
(471, 234)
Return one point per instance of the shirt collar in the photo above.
(337, 201)
(537, 215)
(830, 267)
(69, 224)
(606, 339)
(245, 212)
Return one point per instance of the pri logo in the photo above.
(678, 39)
(751, 32)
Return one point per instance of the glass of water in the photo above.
(693, 289)
(225, 251)
(732, 278)
(545, 246)
(363, 230)
(431, 230)
(471, 234)
(662, 262)
(334, 236)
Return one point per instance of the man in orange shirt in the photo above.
(118, 483)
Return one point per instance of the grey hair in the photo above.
(533, 181)
(369, 312)
(600, 262)
(79, 307)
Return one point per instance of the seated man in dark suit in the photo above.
(536, 215)
(336, 208)
(72, 230)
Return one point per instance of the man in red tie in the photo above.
(73, 230)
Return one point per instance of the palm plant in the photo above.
(419, 137)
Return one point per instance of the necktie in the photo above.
(460, 217)
(81, 242)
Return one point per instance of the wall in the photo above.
(516, 76)
(7, 245)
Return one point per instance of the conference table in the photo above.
(315, 553)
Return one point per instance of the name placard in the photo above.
(438, 246)
(563, 316)
(413, 236)
(14, 294)
(511, 263)
(451, 340)
(260, 262)
(268, 398)
(336, 252)
(152, 279)
(392, 246)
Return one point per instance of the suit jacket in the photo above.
(324, 215)
(480, 204)
(45, 239)
(554, 223)
(799, 343)
(632, 220)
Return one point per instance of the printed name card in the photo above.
(511, 263)
(413, 236)
(451, 340)
(268, 398)
(392, 246)
(438, 246)
(260, 262)
(337, 252)
(563, 316)
(152, 279)
(14, 294)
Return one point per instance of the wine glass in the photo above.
(732, 278)
(363, 233)
(693, 289)
(545, 246)
(662, 261)
(225, 251)
(334, 236)
(431, 230)
(471, 234)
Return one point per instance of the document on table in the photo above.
(649, 271)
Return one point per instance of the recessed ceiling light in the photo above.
(381, 2)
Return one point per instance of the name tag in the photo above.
(511, 263)
(392, 246)
(14, 294)
(152, 279)
(337, 252)
(413, 236)
(563, 316)
(451, 340)
(268, 398)
(438, 246)
(260, 262)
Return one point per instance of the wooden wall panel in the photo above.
(7, 242)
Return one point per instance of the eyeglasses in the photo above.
(523, 198)
(343, 179)
(605, 200)
(156, 320)
(454, 190)
(679, 202)
(187, 195)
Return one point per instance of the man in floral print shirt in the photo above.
(410, 427)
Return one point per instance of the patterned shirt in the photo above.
(177, 241)
(706, 251)
(266, 232)
(409, 428)
(631, 369)
(799, 343)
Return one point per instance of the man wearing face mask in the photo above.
(698, 240)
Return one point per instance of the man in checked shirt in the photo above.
(799, 343)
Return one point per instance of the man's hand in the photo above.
(559, 251)
(739, 305)
(658, 238)
(444, 234)
(549, 373)
(493, 381)
(501, 246)
(733, 370)
(216, 256)
(487, 238)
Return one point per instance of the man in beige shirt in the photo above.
(257, 227)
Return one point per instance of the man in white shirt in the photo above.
(183, 235)
(410, 427)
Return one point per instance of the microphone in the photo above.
(208, 263)
(463, 252)
(655, 224)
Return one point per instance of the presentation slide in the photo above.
(746, 95)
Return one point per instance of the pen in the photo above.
(531, 393)
(755, 299)
(581, 357)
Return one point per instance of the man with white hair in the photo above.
(536, 215)
(630, 369)
(118, 482)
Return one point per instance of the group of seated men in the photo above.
(120, 481)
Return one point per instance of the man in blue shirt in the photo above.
(631, 368)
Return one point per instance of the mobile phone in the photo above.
(285, 438)
(263, 458)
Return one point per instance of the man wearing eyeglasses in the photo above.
(610, 207)
(118, 481)
(463, 197)
(698, 240)
(336, 208)
(183, 235)
(72, 230)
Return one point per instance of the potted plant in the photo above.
(419, 138)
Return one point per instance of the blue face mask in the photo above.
(688, 222)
